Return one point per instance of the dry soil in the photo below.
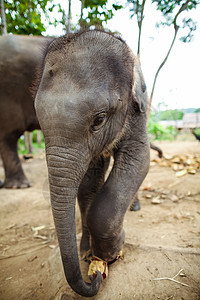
(162, 239)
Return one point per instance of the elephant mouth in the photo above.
(119, 256)
(88, 257)
(97, 264)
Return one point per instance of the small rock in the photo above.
(163, 196)
(174, 198)
(181, 173)
(8, 278)
(52, 246)
(152, 163)
(191, 171)
(156, 200)
(164, 164)
(188, 162)
(176, 160)
(168, 157)
(148, 196)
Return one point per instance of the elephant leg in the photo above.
(90, 185)
(106, 214)
(135, 205)
(14, 174)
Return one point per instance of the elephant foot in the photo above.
(16, 183)
(135, 206)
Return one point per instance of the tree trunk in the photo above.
(81, 18)
(28, 141)
(140, 24)
(68, 26)
(29, 11)
(176, 28)
(39, 137)
(82, 7)
(3, 19)
(158, 71)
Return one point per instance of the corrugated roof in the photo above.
(191, 120)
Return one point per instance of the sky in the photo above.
(178, 82)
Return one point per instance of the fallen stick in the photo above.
(173, 279)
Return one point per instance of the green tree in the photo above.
(171, 114)
(160, 132)
(137, 9)
(25, 16)
(171, 11)
(97, 13)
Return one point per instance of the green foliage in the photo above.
(197, 110)
(171, 114)
(34, 139)
(98, 13)
(191, 26)
(161, 132)
(197, 131)
(25, 16)
(21, 145)
(158, 131)
(168, 6)
(171, 9)
(136, 8)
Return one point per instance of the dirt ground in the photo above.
(162, 239)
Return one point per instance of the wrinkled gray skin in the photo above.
(91, 103)
(19, 56)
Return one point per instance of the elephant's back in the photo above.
(19, 55)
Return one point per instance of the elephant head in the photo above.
(91, 102)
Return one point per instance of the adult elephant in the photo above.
(19, 56)
(91, 104)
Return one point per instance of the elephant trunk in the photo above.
(66, 170)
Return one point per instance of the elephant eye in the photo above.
(98, 121)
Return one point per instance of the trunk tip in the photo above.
(96, 282)
(86, 289)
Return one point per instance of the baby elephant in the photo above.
(91, 103)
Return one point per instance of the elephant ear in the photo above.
(139, 87)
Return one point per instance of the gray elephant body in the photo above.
(19, 56)
(91, 103)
